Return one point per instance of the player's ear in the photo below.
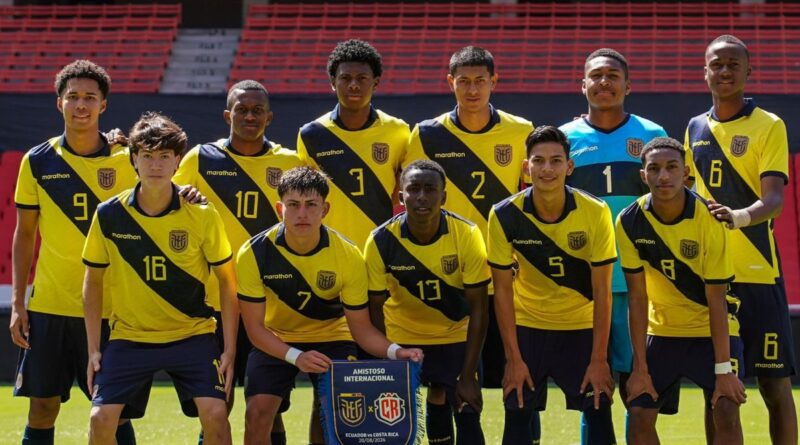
(644, 179)
(444, 197)
(376, 82)
(279, 210)
(685, 173)
(451, 82)
(326, 207)
(570, 166)
(103, 105)
(493, 79)
(59, 105)
(583, 86)
(269, 117)
(627, 86)
(226, 115)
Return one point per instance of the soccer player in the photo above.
(60, 184)
(303, 290)
(239, 175)
(359, 147)
(676, 257)
(604, 146)
(740, 164)
(431, 264)
(481, 150)
(554, 316)
(159, 252)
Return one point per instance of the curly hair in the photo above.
(355, 50)
(83, 69)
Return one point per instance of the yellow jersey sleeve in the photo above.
(188, 170)
(500, 251)
(718, 265)
(26, 196)
(354, 288)
(414, 149)
(775, 158)
(476, 268)
(603, 247)
(376, 269)
(95, 253)
(689, 155)
(216, 247)
(248, 277)
(628, 255)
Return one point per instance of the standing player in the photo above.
(676, 258)
(740, 164)
(60, 184)
(358, 147)
(604, 146)
(554, 316)
(432, 265)
(159, 253)
(239, 175)
(300, 286)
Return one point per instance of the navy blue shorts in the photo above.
(671, 358)
(127, 369)
(560, 355)
(442, 365)
(57, 357)
(269, 375)
(765, 329)
(243, 348)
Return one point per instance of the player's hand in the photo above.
(730, 387)
(92, 369)
(19, 326)
(413, 354)
(468, 392)
(640, 383)
(598, 375)
(191, 195)
(116, 136)
(515, 376)
(313, 361)
(721, 212)
(226, 369)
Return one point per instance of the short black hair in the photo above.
(471, 56)
(245, 85)
(355, 50)
(611, 54)
(83, 69)
(665, 143)
(303, 180)
(155, 131)
(546, 133)
(424, 164)
(730, 39)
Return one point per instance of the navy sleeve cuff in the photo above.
(97, 265)
(633, 270)
(221, 262)
(500, 266)
(251, 299)
(481, 284)
(604, 262)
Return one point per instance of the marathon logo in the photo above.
(333, 152)
(452, 154)
(221, 173)
(55, 176)
(279, 276)
(700, 143)
(527, 242)
(126, 236)
(646, 241)
(401, 268)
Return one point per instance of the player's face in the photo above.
(422, 193)
(726, 70)
(664, 172)
(81, 104)
(548, 166)
(472, 86)
(156, 167)
(302, 213)
(249, 116)
(604, 83)
(354, 84)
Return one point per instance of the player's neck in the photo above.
(84, 142)
(549, 205)
(424, 231)
(474, 121)
(726, 108)
(247, 148)
(354, 119)
(606, 119)
(154, 197)
(303, 244)
(669, 210)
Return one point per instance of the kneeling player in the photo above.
(159, 251)
(301, 285)
(555, 315)
(432, 264)
(675, 256)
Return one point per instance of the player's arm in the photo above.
(373, 341)
(598, 374)
(226, 275)
(376, 302)
(727, 384)
(769, 206)
(376, 277)
(22, 248)
(639, 381)
(92, 318)
(516, 372)
(468, 389)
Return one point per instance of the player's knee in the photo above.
(437, 395)
(641, 422)
(775, 391)
(43, 412)
(257, 416)
(726, 416)
(102, 421)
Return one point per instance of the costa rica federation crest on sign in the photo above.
(178, 240)
(390, 408)
(106, 178)
(351, 408)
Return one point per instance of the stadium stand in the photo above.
(132, 41)
(539, 47)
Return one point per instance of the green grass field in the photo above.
(165, 424)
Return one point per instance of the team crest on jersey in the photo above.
(576, 240)
(326, 279)
(634, 147)
(449, 264)
(380, 152)
(390, 408)
(689, 249)
(178, 240)
(351, 408)
(739, 145)
(502, 154)
(274, 176)
(106, 178)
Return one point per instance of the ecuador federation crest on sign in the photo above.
(351, 408)
(106, 178)
(178, 240)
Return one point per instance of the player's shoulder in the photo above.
(633, 210)
(514, 201)
(433, 122)
(513, 119)
(584, 198)
(646, 124)
(768, 116)
(454, 219)
(43, 149)
(114, 204)
(391, 121)
(574, 126)
(341, 243)
(323, 121)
